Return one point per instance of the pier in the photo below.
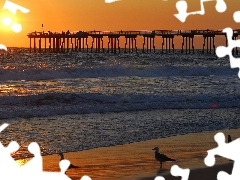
(79, 41)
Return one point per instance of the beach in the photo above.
(136, 161)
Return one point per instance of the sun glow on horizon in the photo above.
(7, 21)
(8, 17)
(16, 27)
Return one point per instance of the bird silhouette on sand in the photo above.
(71, 165)
(161, 157)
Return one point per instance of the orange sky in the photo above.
(74, 15)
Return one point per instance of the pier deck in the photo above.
(78, 41)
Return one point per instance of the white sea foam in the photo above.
(77, 83)
(113, 71)
(86, 131)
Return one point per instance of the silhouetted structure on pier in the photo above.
(78, 41)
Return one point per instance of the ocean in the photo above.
(77, 101)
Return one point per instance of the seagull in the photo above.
(62, 158)
(161, 157)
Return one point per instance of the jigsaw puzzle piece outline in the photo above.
(159, 178)
(182, 6)
(222, 51)
(177, 171)
(111, 1)
(236, 16)
(226, 150)
(12, 7)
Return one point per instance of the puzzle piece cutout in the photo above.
(177, 171)
(85, 178)
(222, 51)
(33, 169)
(7, 164)
(13, 8)
(236, 16)
(159, 178)
(227, 150)
(182, 6)
(111, 1)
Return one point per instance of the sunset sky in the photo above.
(75, 15)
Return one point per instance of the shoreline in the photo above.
(136, 160)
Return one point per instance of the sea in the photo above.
(77, 101)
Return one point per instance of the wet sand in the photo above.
(209, 173)
(136, 160)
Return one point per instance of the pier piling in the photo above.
(130, 42)
(235, 50)
(148, 40)
(209, 41)
(168, 42)
(187, 42)
(113, 43)
(97, 39)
